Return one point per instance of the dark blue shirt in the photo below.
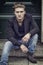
(21, 30)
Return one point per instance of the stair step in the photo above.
(19, 62)
(8, 16)
(12, 3)
(38, 63)
(24, 61)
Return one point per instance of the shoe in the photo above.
(31, 58)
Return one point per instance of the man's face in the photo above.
(19, 13)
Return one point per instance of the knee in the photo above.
(35, 36)
(7, 43)
(7, 46)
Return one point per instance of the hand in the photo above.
(26, 37)
(24, 48)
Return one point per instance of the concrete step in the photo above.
(9, 16)
(18, 61)
(24, 61)
(38, 63)
(12, 3)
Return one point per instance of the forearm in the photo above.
(34, 31)
(14, 41)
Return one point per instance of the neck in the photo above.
(20, 24)
(20, 21)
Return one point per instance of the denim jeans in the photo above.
(31, 45)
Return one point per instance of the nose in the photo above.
(19, 13)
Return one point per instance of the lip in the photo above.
(19, 17)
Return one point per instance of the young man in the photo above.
(21, 33)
